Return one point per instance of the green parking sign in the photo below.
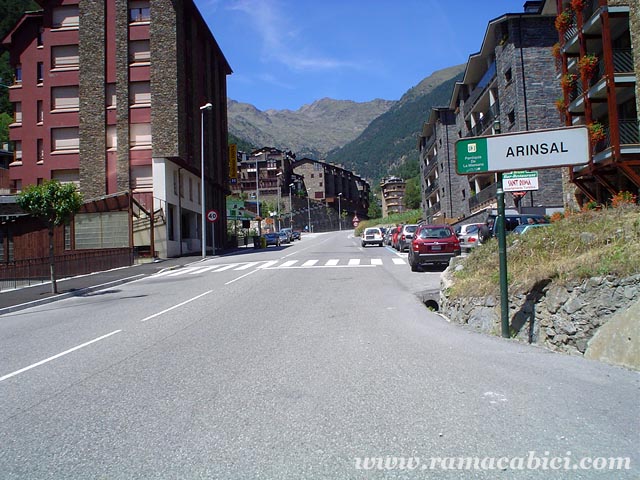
(472, 155)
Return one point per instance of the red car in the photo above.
(433, 244)
(394, 236)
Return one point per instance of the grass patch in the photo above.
(583, 245)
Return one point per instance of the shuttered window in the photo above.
(140, 135)
(66, 176)
(65, 140)
(17, 112)
(111, 95)
(139, 11)
(65, 98)
(139, 51)
(141, 178)
(65, 56)
(140, 93)
(17, 151)
(66, 17)
(112, 137)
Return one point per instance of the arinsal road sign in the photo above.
(520, 151)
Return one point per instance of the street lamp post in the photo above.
(278, 175)
(258, 200)
(339, 212)
(308, 213)
(290, 206)
(206, 106)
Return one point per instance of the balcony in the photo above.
(629, 132)
(433, 210)
(486, 121)
(483, 196)
(430, 189)
(482, 86)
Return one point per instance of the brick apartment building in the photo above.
(108, 95)
(392, 190)
(510, 85)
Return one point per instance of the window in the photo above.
(65, 140)
(139, 11)
(111, 96)
(142, 178)
(512, 117)
(66, 176)
(139, 52)
(140, 135)
(175, 182)
(40, 72)
(40, 151)
(17, 74)
(65, 57)
(112, 137)
(39, 39)
(140, 93)
(508, 76)
(66, 17)
(65, 98)
(39, 112)
(17, 112)
(190, 189)
(17, 151)
(312, 175)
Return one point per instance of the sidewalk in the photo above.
(21, 298)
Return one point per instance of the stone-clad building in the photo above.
(509, 86)
(392, 190)
(108, 95)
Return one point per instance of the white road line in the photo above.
(288, 263)
(354, 261)
(376, 261)
(399, 261)
(309, 263)
(201, 270)
(227, 267)
(182, 271)
(241, 276)
(246, 266)
(268, 264)
(46, 360)
(332, 263)
(175, 306)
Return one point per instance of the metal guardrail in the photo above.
(33, 271)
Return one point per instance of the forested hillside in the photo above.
(390, 140)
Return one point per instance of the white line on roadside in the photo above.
(241, 276)
(176, 306)
(46, 360)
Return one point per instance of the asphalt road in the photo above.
(294, 363)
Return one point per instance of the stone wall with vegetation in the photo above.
(561, 317)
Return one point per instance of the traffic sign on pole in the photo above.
(520, 151)
(212, 216)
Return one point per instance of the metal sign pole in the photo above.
(502, 255)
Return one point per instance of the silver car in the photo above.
(372, 236)
(405, 237)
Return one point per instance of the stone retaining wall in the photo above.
(561, 317)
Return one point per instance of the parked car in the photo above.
(387, 235)
(284, 237)
(469, 236)
(405, 237)
(296, 235)
(372, 236)
(395, 233)
(272, 238)
(288, 232)
(525, 227)
(488, 230)
(435, 244)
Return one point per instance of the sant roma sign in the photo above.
(521, 151)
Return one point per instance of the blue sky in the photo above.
(288, 53)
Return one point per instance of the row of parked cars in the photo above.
(438, 243)
(286, 235)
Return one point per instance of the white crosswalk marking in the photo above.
(309, 263)
(376, 261)
(246, 266)
(332, 263)
(268, 264)
(399, 261)
(227, 267)
(203, 269)
(288, 263)
(354, 261)
(182, 271)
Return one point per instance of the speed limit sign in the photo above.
(212, 216)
